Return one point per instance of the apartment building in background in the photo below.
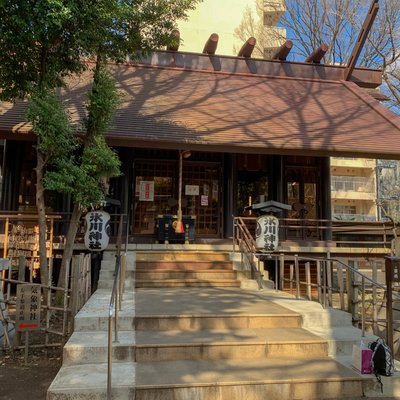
(224, 17)
(354, 189)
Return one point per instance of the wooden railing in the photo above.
(339, 233)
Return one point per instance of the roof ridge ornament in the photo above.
(283, 51)
(175, 40)
(247, 48)
(317, 55)
(211, 44)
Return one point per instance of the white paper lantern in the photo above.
(267, 233)
(97, 232)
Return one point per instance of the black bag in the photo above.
(382, 360)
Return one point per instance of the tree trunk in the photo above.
(69, 243)
(40, 204)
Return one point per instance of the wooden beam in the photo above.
(283, 51)
(364, 77)
(211, 44)
(318, 54)
(378, 96)
(175, 40)
(362, 37)
(247, 48)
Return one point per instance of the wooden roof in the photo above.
(172, 106)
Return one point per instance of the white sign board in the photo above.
(146, 191)
(4, 264)
(192, 190)
(97, 233)
(267, 233)
(27, 317)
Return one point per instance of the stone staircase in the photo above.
(201, 337)
(219, 343)
(195, 269)
(83, 374)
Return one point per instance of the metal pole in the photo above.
(276, 274)
(363, 307)
(297, 274)
(109, 358)
(127, 233)
(389, 303)
(233, 235)
(116, 306)
(324, 291)
(48, 302)
(282, 270)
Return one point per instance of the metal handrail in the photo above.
(356, 272)
(114, 306)
(250, 246)
(250, 249)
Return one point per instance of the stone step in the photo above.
(272, 379)
(110, 254)
(177, 283)
(216, 321)
(96, 323)
(109, 275)
(91, 348)
(372, 389)
(89, 381)
(108, 284)
(182, 256)
(228, 344)
(94, 314)
(184, 265)
(109, 265)
(173, 274)
(341, 339)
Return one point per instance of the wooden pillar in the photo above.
(282, 270)
(326, 204)
(308, 279)
(229, 184)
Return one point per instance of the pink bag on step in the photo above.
(361, 358)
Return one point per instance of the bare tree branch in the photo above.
(310, 23)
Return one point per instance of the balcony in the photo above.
(345, 162)
(354, 217)
(273, 11)
(356, 188)
(274, 38)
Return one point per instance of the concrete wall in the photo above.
(221, 17)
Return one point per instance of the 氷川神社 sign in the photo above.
(267, 233)
(97, 233)
(27, 317)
